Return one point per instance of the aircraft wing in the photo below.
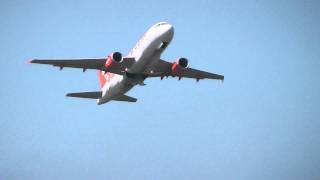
(163, 68)
(88, 63)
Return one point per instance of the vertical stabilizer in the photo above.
(102, 78)
(105, 77)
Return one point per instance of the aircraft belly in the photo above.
(146, 57)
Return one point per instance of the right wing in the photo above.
(88, 63)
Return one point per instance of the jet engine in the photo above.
(179, 66)
(115, 57)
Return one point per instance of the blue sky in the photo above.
(261, 123)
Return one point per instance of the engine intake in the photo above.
(183, 62)
(117, 57)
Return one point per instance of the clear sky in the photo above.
(261, 123)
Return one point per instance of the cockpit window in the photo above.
(160, 24)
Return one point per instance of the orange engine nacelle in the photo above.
(115, 57)
(179, 66)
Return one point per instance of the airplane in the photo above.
(118, 74)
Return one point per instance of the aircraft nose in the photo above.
(169, 31)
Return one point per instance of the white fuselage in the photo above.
(146, 54)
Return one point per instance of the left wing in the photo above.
(88, 63)
(164, 68)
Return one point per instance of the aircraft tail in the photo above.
(102, 78)
(125, 98)
(105, 77)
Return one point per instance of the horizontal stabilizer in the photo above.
(125, 98)
(90, 95)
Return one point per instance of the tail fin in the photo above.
(102, 78)
(105, 77)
